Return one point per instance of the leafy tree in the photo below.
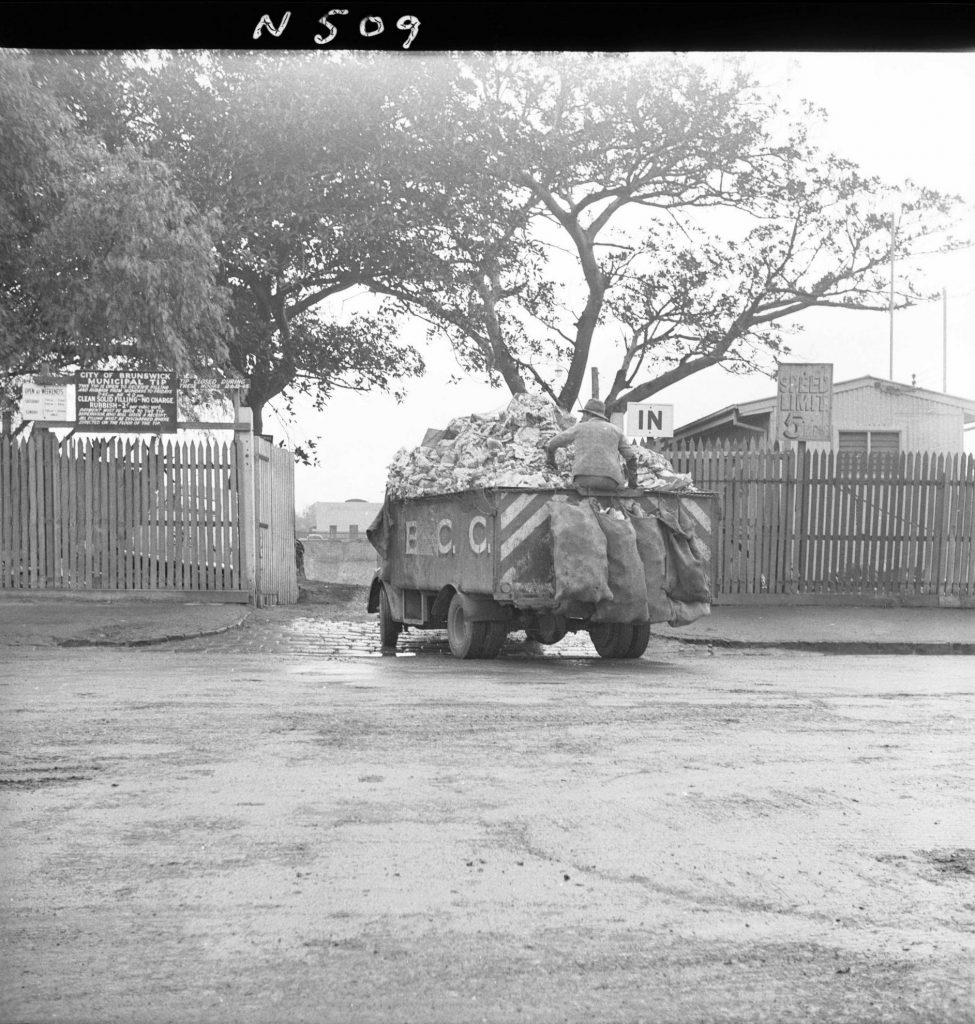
(293, 154)
(648, 198)
(100, 255)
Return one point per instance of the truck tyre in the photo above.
(550, 629)
(611, 639)
(641, 637)
(470, 639)
(389, 629)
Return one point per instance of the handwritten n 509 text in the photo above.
(371, 25)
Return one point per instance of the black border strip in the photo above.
(496, 26)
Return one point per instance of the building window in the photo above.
(869, 442)
(854, 442)
(885, 442)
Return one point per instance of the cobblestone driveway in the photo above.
(297, 632)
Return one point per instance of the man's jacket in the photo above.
(598, 447)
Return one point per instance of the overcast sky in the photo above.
(899, 115)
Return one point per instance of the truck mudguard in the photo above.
(478, 608)
(378, 533)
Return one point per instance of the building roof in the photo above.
(751, 415)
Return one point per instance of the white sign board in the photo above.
(647, 419)
(43, 402)
(804, 403)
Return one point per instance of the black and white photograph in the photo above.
(487, 514)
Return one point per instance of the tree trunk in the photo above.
(257, 408)
(255, 400)
(498, 356)
(576, 377)
(509, 371)
(586, 325)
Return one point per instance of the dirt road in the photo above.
(223, 836)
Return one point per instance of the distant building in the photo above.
(870, 415)
(343, 520)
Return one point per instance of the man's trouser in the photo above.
(584, 482)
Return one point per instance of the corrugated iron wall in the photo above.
(924, 425)
(274, 492)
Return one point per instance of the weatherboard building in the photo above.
(868, 415)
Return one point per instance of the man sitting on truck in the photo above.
(598, 447)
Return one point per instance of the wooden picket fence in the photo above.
(824, 526)
(147, 517)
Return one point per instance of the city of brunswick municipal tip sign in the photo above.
(126, 400)
(804, 403)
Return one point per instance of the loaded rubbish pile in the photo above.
(506, 448)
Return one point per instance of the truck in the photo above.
(482, 563)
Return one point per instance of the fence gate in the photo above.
(148, 517)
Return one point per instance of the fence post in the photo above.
(244, 440)
(802, 519)
(948, 474)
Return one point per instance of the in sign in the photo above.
(648, 419)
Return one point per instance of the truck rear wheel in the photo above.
(641, 637)
(611, 639)
(389, 629)
(549, 629)
(469, 639)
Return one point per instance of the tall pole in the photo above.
(893, 241)
(944, 340)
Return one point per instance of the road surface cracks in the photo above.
(203, 834)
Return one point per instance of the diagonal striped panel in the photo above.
(699, 514)
(515, 507)
(525, 516)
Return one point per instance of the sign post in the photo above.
(119, 401)
(804, 403)
(45, 403)
(244, 442)
(124, 400)
(803, 413)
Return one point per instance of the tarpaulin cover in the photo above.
(626, 575)
(579, 554)
(675, 567)
(687, 566)
(378, 533)
(686, 612)
(652, 548)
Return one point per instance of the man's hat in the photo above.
(595, 408)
